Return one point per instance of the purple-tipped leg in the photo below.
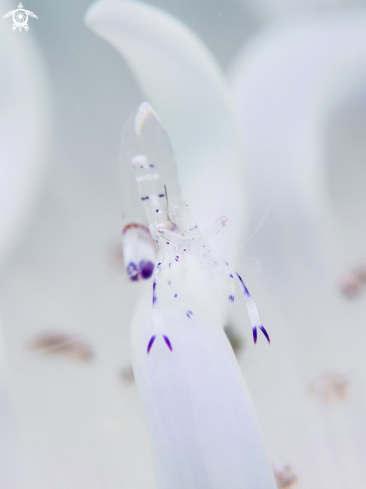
(252, 310)
(244, 287)
(255, 334)
(154, 298)
(152, 339)
(261, 327)
(168, 342)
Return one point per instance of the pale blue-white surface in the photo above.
(290, 84)
(24, 131)
(202, 424)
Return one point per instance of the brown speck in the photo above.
(116, 257)
(353, 282)
(285, 478)
(127, 375)
(53, 342)
(331, 388)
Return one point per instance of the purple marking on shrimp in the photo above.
(151, 165)
(261, 327)
(132, 271)
(154, 285)
(255, 334)
(176, 258)
(189, 314)
(184, 250)
(161, 195)
(154, 293)
(157, 210)
(231, 275)
(245, 290)
(175, 295)
(231, 298)
(145, 198)
(147, 268)
(168, 342)
(152, 339)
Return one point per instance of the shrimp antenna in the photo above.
(166, 196)
(167, 201)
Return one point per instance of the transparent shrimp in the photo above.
(148, 153)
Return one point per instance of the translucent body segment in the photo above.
(132, 210)
(137, 246)
(253, 312)
(174, 236)
(216, 227)
(148, 153)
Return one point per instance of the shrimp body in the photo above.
(148, 155)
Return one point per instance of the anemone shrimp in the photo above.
(153, 196)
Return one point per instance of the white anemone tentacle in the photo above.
(24, 132)
(24, 128)
(289, 83)
(202, 425)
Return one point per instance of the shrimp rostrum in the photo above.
(152, 193)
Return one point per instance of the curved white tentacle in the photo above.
(288, 83)
(183, 82)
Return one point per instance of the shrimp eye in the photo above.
(146, 269)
